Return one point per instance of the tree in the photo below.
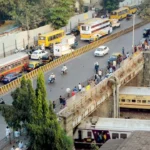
(31, 107)
(45, 126)
(110, 5)
(59, 14)
(94, 147)
(20, 109)
(32, 13)
(144, 10)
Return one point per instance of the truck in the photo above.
(65, 47)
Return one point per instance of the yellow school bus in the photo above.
(132, 9)
(134, 97)
(120, 13)
(51, 38)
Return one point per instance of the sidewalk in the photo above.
(8, 142)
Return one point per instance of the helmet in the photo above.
(52, 73)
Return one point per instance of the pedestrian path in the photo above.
(10, 142)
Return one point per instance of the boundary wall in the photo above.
(10, 42)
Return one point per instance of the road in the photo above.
(81, 68)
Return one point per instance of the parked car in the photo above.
(10, 77)
(114, 57)
(101, 51)
(33, 65)
(38, 54)
(47, 58)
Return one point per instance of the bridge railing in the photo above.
(128, 67)
(4, 89)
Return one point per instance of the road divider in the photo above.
(4, 89)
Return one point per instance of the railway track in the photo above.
(135, 113)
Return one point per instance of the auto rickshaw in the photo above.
(115, 57)
(129, 16)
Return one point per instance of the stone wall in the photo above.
(146, 73)
(105, 109)
(137, 81)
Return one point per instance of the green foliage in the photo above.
(31, 107)
(94, 147)
(33, 13)
(60, 13)
(144, 10)
(111, 5)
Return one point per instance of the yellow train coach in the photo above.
(134, 97)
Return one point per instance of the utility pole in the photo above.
(133, 33)
(27, 26)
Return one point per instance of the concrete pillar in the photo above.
(146, 71)
(114, 98)
(67, 124)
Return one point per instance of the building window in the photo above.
(89, 134)
(138, 101)
(133, 101)
(148, 101)
(115, 135)
(123, 136)
(123, 100)
(143, 101)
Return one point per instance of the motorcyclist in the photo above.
(52, 77)
(64, 68)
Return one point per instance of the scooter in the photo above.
(51, 80)
(63, 71)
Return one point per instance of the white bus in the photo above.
(96, 26)
(99, 130)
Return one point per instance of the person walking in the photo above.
(83, 89)
(68, 90)
(75, 89)
(13, 148)
(135, 49)
(96, 67)
(123, 51)
(61, 100)
(79, 87)
(20, 145)
(127, 55)
(100, 73)
(64, 102)
(7, 132)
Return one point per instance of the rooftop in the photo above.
(138, 140)
(140, 91)
(118, 124)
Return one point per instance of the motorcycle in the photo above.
(64, 71)
(51, 80)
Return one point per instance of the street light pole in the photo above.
(133, 32)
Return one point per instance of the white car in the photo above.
(101, 51)
(38, 54)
